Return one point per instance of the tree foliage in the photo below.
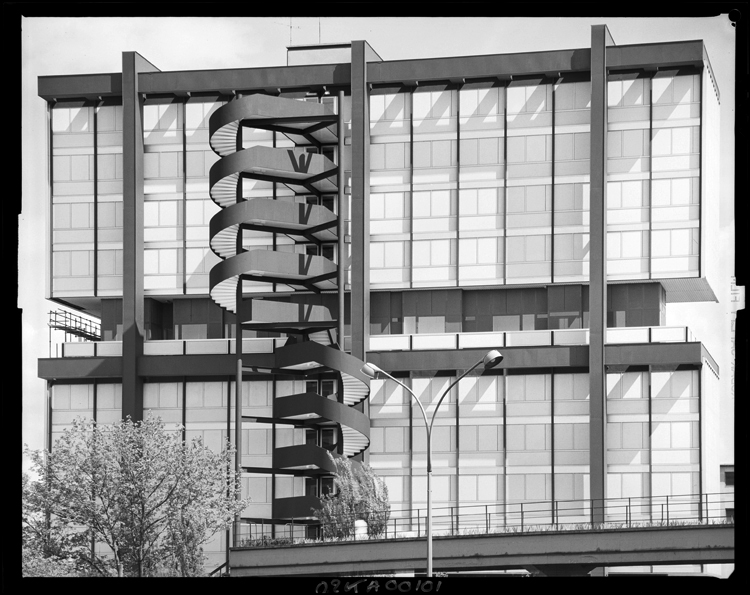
(48, 549)
(150, 498)
(359, 494)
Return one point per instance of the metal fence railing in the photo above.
(518, 517)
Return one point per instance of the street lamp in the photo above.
(490, 360)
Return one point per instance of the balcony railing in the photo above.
(625, 335)
(411, 342)
(178, 347)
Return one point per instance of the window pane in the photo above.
(564, 436)
(421, 206)
(394, 254)
(421, 253)
(632, 434)
(377, 255)
(536, 198)
(516, 149)
(440, 203)
(79, 263)
(394, 106)
(564, 146)
(377, 206)
(468, 202)
(421, 154)
(487, 201)
(582, 145)
(681, 434)
(632, 194)
(535, 437)
(488, 150)
(631, 244)
(469, 154)
(377, 156)
(632, 143)
(441, 153)
(487, 437)
(394, 205)
(536, 148)
(516, 199)
(440, 252)
(394, 155)
(535, 248)
(515, 437)
(487, 251)
(467, 253)
(515, 249)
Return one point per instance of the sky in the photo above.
(63, 45)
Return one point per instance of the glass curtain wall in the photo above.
(571, 447)
(481, 452)
(163, 196)
(653, 441)
(109, 199)
(518, 210)
(481, 174)
(653, 166)
(529, 182)
(498, 444)
(434, 187)
(199, 259)
(73, 201)
(486, 184)
(390, 189)
(477, 162)
(675, 186)
(572, 115)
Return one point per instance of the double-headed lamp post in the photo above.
(490, 360)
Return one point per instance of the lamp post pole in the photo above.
(490, 360)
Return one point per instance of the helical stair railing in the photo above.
(312, 348)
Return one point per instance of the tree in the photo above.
(48, 548)
(359, 495)
(151, 498)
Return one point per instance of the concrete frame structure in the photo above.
(136, 362)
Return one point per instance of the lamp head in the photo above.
(371, 370)
(492, 358)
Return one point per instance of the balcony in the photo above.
(625, 335)
(413, 342)
(179, 347)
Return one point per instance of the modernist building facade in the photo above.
(413, 214)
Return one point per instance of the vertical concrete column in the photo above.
(132, 234)
(360, 193)
(600, 39)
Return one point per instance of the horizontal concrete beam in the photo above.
(664, 55)
(69, 368)
(516, 358)
(154, 366)
(558, 356)
(625, 547)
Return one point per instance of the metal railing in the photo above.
(413, 342)
(523, 517)
(218, 570)
(173, 347)
(620, 335)
(75, 325)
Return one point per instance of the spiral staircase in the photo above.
(313, 347)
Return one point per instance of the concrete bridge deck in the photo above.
(551, 552)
